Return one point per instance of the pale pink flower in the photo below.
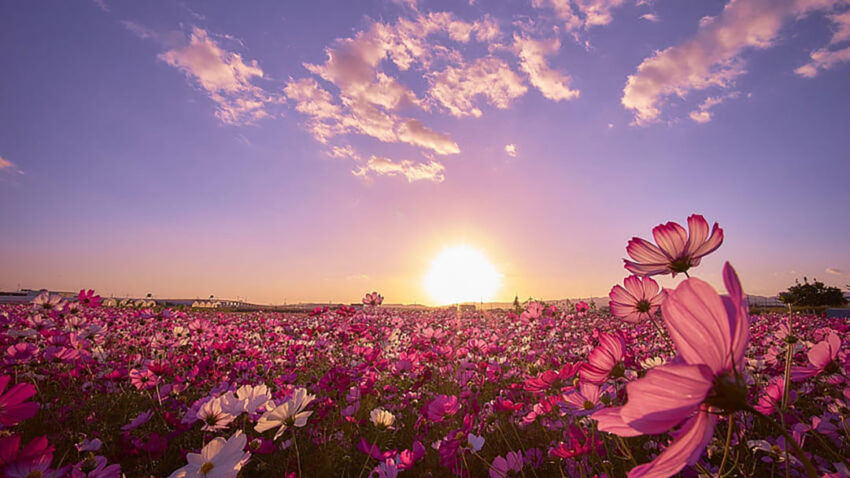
(821, 358)
(374, 299)
(710, 333)
(604, 358)
(638, 301)
(677, 250)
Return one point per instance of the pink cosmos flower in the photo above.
(604, 358)
(512, 462)
(96, 467)
(47, 302)
(821, 358)
(34, 457)
(551, 379)
(710, 333)
(772, 398)
(677, 250)
(88, 299)
(13, 405)
(582, 307)
(638, 301)
(577, 443)
(584, 400)
(441, 407)
(374, 299)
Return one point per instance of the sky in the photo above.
(314, 151)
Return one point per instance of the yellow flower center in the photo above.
(206, 468)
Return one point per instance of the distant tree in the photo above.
(812, 294)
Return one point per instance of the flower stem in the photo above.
(729, 428)
(297, 453)
(811, 472)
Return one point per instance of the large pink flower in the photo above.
(677, 250)
(710, 333)
(13, 405)
(639, 300)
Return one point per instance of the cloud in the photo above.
(650, 17)
(510, 149)
(6, 165)
(343, 152)
(456, 88)
(703, 114)
(432, 171)
(553, 84)
(825, 58)
(101, 4)
(224, 76)
(413, 132)
(578, 14)
(712, 57)
(139, 30)
(834, 271)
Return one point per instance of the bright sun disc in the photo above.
(462, 274)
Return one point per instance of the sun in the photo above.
(461, 274)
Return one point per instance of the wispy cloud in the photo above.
(577, 14)
(532, 54)
(829, 56)
(712, 57)
(703, 112)
(510, 150)
(6, 165)
(834, 271)
(431, 171)
(456, 88)
(224, 76)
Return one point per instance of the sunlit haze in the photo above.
(462, 274)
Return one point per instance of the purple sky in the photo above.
(316, 150)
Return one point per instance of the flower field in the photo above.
(682, 380)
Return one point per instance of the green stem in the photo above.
(297, 453)
(729, 428)
(811, 472)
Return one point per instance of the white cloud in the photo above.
(510, 149)
(578, 14)
(650, 17)
(825, 58)
(456, 88)
(432, 171)
(553, 84)
(834, 271)
(101, 4)
(343, 152)
(223, 76)
(712, 57)
(703, 112)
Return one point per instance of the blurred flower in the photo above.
(382, 418)
(220, 458)
(13, 405)
(638, 301)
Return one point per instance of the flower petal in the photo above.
(685, 449)
(665, 397)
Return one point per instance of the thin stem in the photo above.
(811, 472)
(297, 453)
(729, 428)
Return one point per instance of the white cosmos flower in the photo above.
(382, 418)
(254, 397)
(213, 416)
(289, 413)
(220, 458)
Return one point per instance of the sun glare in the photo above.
(461, 274)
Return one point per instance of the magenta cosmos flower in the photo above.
(373, 299)
(603, 359)
(638, 301)
(677, 250)
(822, 358)
(14, 407)
(710, 333)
